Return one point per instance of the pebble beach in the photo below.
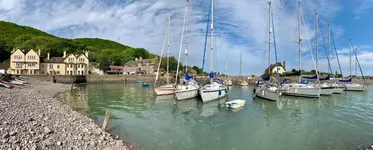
(32, 119)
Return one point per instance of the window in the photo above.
(18, 64)
(42, 66)
(17, 71)
(51, 66)
(32, 64)
(31, 57)
(17, 56)
(58, 72)
(58, 66)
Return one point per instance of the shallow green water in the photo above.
(160, 123)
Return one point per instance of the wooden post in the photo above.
(106, 121)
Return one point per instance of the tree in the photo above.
(293, 70)
(313, 71)
(104, 63)
(199, 70)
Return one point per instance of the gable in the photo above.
(70, 58)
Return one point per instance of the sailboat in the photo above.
(292, 88)
(348, 83)
(216, 88)
(264, 88)
(189, 88)
(339, 88)
(326, 88)
(241, 82)
(167, 89)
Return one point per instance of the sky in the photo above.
(241, 26)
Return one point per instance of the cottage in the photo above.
(141, 66)
(273, 68)
(115, 69)
(31, 63)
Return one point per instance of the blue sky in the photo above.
(240, 27)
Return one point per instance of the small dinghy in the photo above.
(145, 84)
(235, 103)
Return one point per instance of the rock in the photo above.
(92, 143)
(116, 137)
(59, 143)
(13, 133)
(31, 119)
(34, 147)
(6, 135)
(18, 148)
(96, 131)
(47, 130)
(5, 123)
(4, 140)
(47, 142)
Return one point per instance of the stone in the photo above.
(5, 123)
(31, 119)
(47, 142)
(13, 133)
(92, 143)
(6, 135)
(96, 131)
(47, 130)
(4, 140)
(34, 147)
(59, 143)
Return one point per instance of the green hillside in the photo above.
(101, 50)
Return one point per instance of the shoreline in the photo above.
(33, 118)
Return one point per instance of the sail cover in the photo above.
(187, 77)
(326, 78)
(211, 75)
(266, 78)
(349, 80)
(311, 77)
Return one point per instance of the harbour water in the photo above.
(161, 123)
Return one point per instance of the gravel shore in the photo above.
(31, 118)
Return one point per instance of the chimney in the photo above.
(48, 56)
(284, 65)
(39, 52)
(64, 54)
(86, 53)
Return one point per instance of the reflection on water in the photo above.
(335, 122)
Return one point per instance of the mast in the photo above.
(212, 36)
(181, 44)
(160, 58)
(241, 64)
(317, 41)
(226, 65)
(186, 38)
(299, 38)
(350, 57)
(168, 46)
(330, 69)
(269, 38)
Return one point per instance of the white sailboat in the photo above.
(168, 89)
(241, 82)
(348, 83)
(264, 89)
(326, 88)
(189, 88)
(339, 88)
(292, 88)
(216, 89)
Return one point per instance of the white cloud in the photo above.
(240, 26)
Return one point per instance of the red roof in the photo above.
(116, 67)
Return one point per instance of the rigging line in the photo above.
(207, 31)
(336, 53)
(326, 51)
(160, 59)
(309, 44)
(275, 47)
(181, 46)
(357, 60)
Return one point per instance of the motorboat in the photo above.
(234, 104)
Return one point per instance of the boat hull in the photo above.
(208, 95)
(235, 103)
(164, 91)
(301, 91)
(327, 91)
(355, 87)
(267, 94)
(339, 90)
(186, 94)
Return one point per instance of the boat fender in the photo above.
(254, 90)
(226, 90)
(219, 92)
(234, 103)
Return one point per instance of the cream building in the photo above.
(31, 63)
